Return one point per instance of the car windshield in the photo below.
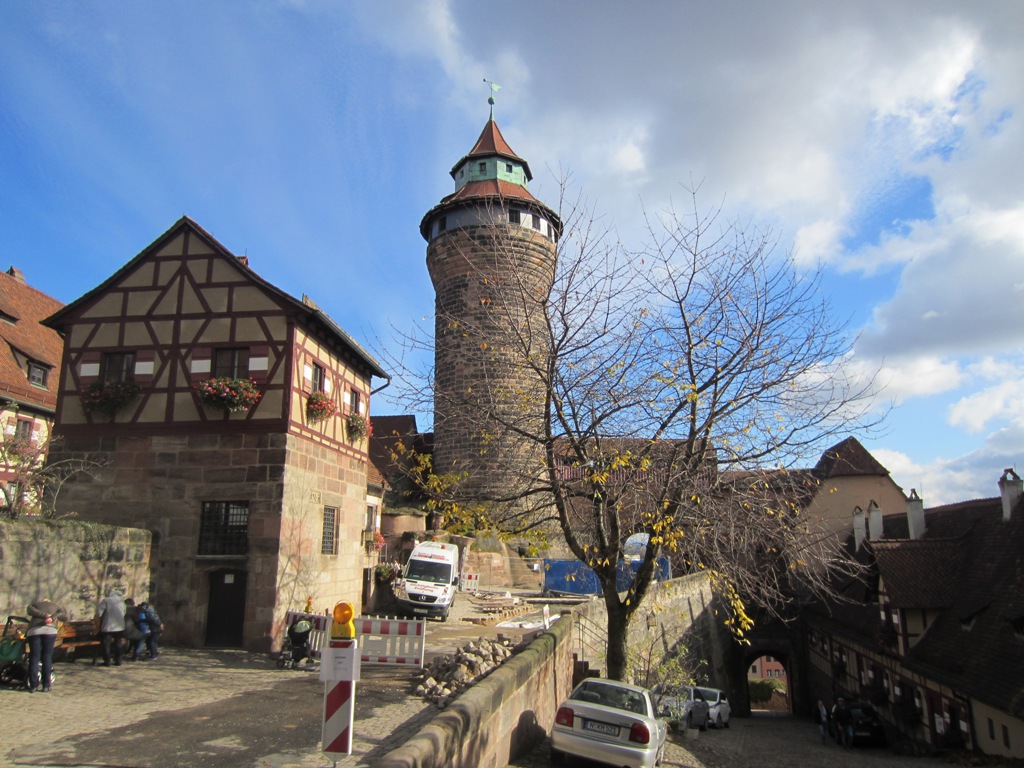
(429, 570)
(710, 695)
(611, 696)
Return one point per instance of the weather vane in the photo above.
(490, 99)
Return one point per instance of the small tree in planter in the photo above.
(358, 426)
(108, 397)
(319, 406)
(228, 394)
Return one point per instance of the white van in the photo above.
(430, 580)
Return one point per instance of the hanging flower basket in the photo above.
(108, 396)
(227, 394)
(358, 426)
(319, 406)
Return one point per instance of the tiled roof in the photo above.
(23, 309)
(969, 566)
(491, 142)
(848, 458)
(491, 188)
(307, 310)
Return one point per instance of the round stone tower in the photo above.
(491, 257)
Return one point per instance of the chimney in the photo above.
(17, 274)
(875, 530)
(859, 531)
(915, 515)
(1010, 488)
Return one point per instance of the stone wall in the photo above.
(503, 715)
(71, 562)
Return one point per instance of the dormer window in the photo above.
(37, 375)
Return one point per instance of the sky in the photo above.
(881, 142)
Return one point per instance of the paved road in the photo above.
(761, 741)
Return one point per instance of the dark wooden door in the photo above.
(225, 619)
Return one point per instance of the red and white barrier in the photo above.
(470, 582)
(397, 642)
(339, 698)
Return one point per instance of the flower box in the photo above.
(358, 426)
(228, 394)
(319, 406)
(109, 397)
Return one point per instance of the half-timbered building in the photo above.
(233, 422)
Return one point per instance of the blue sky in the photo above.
(881, 141)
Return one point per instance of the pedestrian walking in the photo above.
(844, 723)
(822, 719)
(44, 617)
(111, 615)
(156, 628)
(136, 629)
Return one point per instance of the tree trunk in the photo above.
(617, 657)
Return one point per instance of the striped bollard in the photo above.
(339, 669)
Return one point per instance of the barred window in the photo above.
(224, 528)
(329, 540)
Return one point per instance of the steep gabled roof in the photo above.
(304, 309)
(920, 574)
(24, 337)
(848, 458)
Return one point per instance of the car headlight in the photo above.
(399, 590)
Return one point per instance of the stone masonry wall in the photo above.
(491, 285)
(71, 562)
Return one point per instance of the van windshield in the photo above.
(429, 570)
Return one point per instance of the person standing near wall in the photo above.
(111, 617)
(43, 616)
(822, 718)
(156, 627)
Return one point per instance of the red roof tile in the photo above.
(23, 336)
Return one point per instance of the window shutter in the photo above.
(259, 362)
(201, 364)
(89, 367)
(145, 365)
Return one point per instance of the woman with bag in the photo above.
(44, 618)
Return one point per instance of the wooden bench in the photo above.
(75, 635)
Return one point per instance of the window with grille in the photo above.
(118, 366)
(329, 540)
(231, 363)
(224, 528)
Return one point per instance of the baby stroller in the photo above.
(295, 646)
(13, 652)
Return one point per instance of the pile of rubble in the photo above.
(446, 676)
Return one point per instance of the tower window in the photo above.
(482, 167)
(508, 167)
(513, 217)
(536, 222)
(442, 224)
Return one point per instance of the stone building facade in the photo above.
(491, 256)
(195, 381)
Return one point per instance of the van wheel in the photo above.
(444, 616)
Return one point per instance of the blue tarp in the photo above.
(577, 578)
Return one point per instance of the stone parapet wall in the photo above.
(71, 562)
(500, 717)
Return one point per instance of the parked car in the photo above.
(687, 708)
(610, 722)
(868, 729)
(719, 708)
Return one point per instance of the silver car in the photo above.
(719, 708)
(687, 709)
(609, 722)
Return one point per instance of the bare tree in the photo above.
(670, 390)
(32, 486)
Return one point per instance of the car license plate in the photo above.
(605, 728)
(420, 610)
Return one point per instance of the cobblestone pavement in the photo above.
(760, 741)
(194, 707)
